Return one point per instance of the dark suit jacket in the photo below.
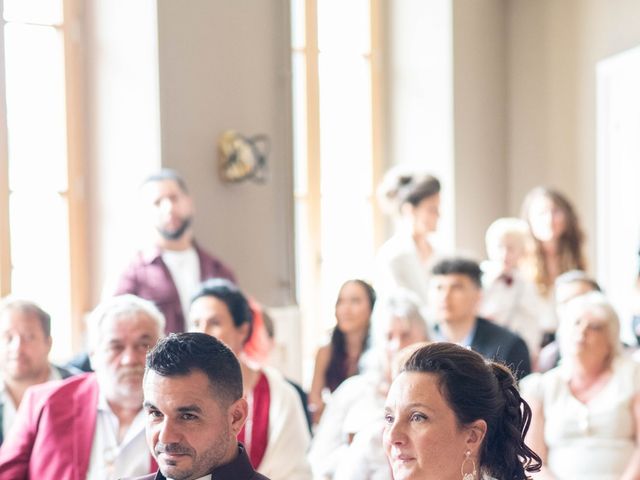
(495, 342)
(239, 469)
(147, 276)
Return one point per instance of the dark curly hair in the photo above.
(479, 389)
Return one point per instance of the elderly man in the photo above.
(25, 343)
(170, 271)
(195, 409)
(91, 425)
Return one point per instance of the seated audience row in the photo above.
(104, 428)
(91, 424)
(124, 328)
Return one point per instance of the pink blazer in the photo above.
(53, 431)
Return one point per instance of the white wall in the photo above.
(480, 121)
(418, 81)
(122, 125)
(554, 47)
(226, 64)
(447, 102)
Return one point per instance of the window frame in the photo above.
(75, 194)
(309, 289)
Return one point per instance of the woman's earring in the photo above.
(472, 474)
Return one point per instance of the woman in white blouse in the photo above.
(586, 412)
(405, 259)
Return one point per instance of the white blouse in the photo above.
(592, 441)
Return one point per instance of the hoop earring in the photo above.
(472, 474)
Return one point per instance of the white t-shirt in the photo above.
(184, 267)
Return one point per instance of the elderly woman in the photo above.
(397, 323)
(451, 414)
(586, 412)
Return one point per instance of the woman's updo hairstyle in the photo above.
(478, 389)
(402, 185)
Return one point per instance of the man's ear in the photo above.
(237, 414)
(476, 431)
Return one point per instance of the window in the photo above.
(336, 151)
(618, 171)
(41, 249)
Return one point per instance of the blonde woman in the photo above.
(586, 412)
(557, 245)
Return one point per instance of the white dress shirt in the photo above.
(111, 460)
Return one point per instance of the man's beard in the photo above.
(203, 462)
(178, 232)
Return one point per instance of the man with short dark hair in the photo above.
(195, 409)
(455, 293)
(171, 270)
(25, 343)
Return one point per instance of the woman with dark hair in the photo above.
(358, 401)
(451, 414)
(275, 434)
(339, 359)
(404, 260)
(557, 244)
